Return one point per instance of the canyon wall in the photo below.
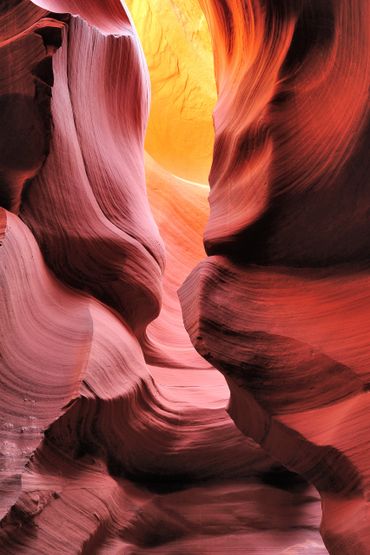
(281, 306)
(116, 435)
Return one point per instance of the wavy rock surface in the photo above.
(114, 434)
(281, 306)
(99, 451)
(110, 244)
(28, 42)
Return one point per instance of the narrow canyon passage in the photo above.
(136, 299)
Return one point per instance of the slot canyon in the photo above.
(184, 277)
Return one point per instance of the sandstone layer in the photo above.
(116, 434)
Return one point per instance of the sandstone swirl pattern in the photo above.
(114, 433)
(282, 304)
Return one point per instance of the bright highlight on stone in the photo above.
(177, 45)
(184, 367)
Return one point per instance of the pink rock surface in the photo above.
(93, 441)
(110, 244)
(115, 433)
(28, 42)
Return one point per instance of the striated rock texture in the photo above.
(28, 42)
(282, 304)
(100, 450)
(114, 430)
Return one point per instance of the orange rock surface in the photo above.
(235, 421)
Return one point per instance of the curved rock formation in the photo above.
(90, 435)
(111, 246)
(28, 42)
(114, 433)
(281, 307)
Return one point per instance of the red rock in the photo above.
(281, 307)
(114, 430)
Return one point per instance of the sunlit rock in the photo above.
(116, 434)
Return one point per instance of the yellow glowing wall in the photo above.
(178, 50)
